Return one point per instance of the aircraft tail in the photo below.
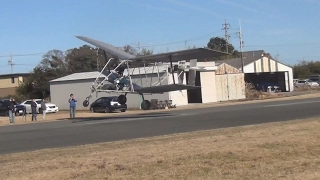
(107, 48)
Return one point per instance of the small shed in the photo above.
(262, 70)
(230, 84)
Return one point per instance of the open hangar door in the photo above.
(262, 80)
(194, 95)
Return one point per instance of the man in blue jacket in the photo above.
(72, 102)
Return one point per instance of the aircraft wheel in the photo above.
(122, 99)
(145, 105)
(85, 103)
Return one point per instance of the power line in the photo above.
(275, 45)
(182, 41)
(33, 54)
(139, 46)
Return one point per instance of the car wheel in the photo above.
(17, 113)
(40, 111)
(106, 110)
(92, 110)
(123, 110)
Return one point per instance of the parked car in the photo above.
(51, 108)
(4, 108)
(306, 82)
(315, 78)
(107, 105)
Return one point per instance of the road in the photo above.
(27, 137)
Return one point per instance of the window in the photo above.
(39, 101)
(98, 100)
(115, 99)
(12, 79)
(105, 100)
(28, 102)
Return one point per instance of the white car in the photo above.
(306, 82)
(51, 108)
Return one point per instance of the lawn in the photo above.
(289, 150)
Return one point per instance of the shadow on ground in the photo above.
(85, 119)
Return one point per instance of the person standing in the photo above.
(24, 114)
(44, 109)
(34, 110)
(72, 102)
(12, 105)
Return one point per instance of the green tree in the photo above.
(55, 64)
(220, 44)
(304, 69)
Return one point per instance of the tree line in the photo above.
(56, 63)
(304, 69)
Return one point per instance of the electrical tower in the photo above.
(239, 33)
(226, 27)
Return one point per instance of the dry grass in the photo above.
(288, 150)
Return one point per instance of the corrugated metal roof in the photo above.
(79, 76)
(146, 70)
(95, 74)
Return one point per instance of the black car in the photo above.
(107, 105)
(4, 108)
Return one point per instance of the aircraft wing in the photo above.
(108, 48)
(188, 54)
(165, 88)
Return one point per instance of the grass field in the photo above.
(289, 150)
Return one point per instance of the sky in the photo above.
(287, 29)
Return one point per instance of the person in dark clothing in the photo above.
(24, 114)
(12, 106)
(34, 110)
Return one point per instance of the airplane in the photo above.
(113, 79)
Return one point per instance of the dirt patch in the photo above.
(289, 150)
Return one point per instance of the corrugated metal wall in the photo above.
(230, 87)
(225, 68)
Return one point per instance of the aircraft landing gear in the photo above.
(145, 105)
(122, 99)
(86, 102)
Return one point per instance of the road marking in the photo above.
(289, 104)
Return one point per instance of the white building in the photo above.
(262, 70)
(79, 85)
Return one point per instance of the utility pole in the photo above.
(138, 43)
(10, 62)
(278, 59)
(241, 46)
(226, 27)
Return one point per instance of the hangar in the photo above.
(262, 70)
(217, 85)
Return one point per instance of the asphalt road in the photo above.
(19, 138)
